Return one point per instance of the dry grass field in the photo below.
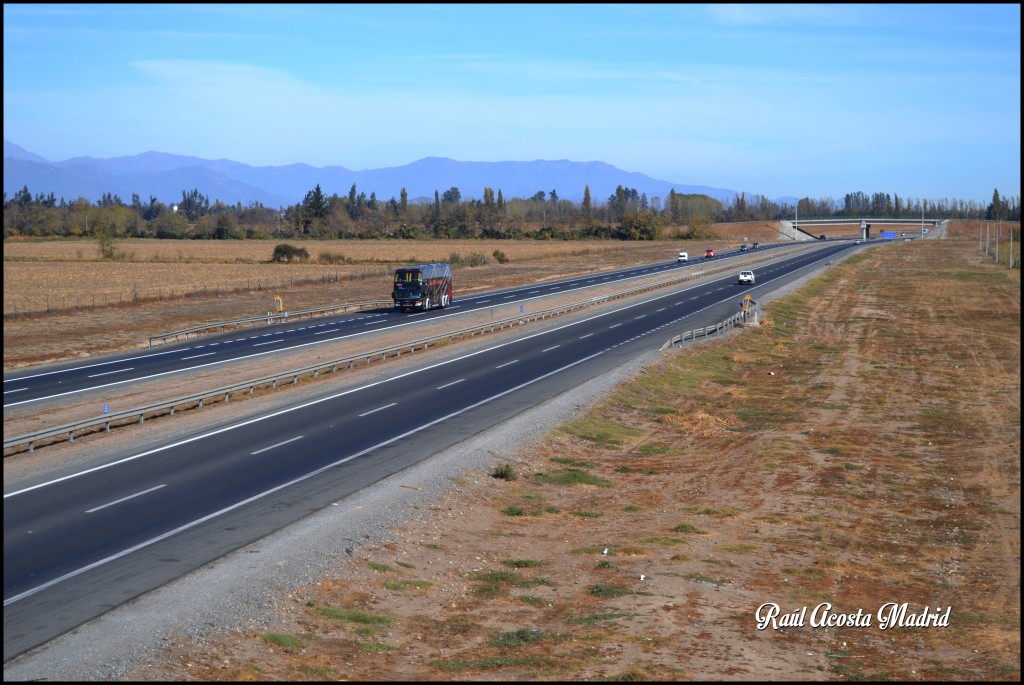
(56, 276)
(150, 291)
(860, 447)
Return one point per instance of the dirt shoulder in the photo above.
(861, 446)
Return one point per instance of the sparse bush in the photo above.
(281, 640)
(520, 638)
(504, 472)
(328, 257)
(474, 259)
(105, 243)
(523, 563)
(289, 253)
(500, 256)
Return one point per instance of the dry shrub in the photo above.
(738, 357)
(736, 392)
(700, 423)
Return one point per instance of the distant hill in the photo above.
(165, 176)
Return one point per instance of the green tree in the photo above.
(105, 243)
(452, 196)
(226, 227)
(316, 205)
(997, 210)
(194, 204)
(171, 225)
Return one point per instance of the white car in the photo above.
(683, 257)
(746, 278)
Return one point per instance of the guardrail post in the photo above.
(71, 436)
(142, 417)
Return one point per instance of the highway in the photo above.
(56, 381)
(81, 544)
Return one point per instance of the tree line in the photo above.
(625, 215)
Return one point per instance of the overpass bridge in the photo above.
(811, 229)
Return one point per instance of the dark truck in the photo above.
(423, 287)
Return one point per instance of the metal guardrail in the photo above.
(271, 318)
(703, 333)
(138, 414)
(268, 319)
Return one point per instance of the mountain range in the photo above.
(165, 176)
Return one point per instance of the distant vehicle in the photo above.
(423, 287)
(755, 246)
(746, 278)
(709, 253)
(821, 237)
(743, 248)
(856, 242)
(683, 257)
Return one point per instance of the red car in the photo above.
(709, 254)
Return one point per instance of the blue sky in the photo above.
(806, 100)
